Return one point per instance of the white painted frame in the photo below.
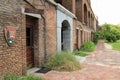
(60, 18)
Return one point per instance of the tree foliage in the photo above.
(108, 32)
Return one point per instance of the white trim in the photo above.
(30, 14)
(60, 18)
(52, 2)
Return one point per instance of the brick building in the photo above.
(43, 27)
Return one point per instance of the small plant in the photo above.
(31, 78)
(63, 62)
(80, 53)
(88, 46)
(13, 77)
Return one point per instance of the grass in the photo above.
(13, 77)
(88, 47)
(115, 45)
(63, 62)
(80, 53)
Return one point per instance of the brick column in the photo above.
(70, 5)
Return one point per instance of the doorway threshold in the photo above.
(32, 70)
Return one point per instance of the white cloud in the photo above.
(107, 10)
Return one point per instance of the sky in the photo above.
(108, 11)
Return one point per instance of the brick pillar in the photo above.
(83, 12)
(74, 6)
(70, 5)
(79, 12)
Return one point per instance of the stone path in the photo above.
(102, 64)
(108, 46)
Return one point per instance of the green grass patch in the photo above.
(88, 47)
(13, 77)
(63, 62)
(115, 45)
(80, 53)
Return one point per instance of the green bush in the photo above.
(63, 62)
(97, 36)
(109, 32)
(13, 77)
(80, 53)
(88, 46)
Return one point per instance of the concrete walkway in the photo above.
(102, 64)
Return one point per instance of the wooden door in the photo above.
(29, 41)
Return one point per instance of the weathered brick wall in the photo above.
(12, 59)
(78, 25)
(39, 34)
(51, 35)
(70, 5)
(47, 31)
(74, 35)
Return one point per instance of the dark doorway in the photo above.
(81, 37)
(30, 25)
(85, 15)
(65, 36)
(77, 34)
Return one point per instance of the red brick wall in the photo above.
(12, 59)
(51, 35)
(76, 25)
(70, 5)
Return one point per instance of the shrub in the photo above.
(63, 62)
(97, 36)
(109, 32)
(88, 46)
(80, 53)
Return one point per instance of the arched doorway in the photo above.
(65, 36)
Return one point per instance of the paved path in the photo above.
(102, 64)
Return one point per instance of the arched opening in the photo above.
(77, 39)
(65, 36)
(81, 36)
(85, 14)
(89, 19)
